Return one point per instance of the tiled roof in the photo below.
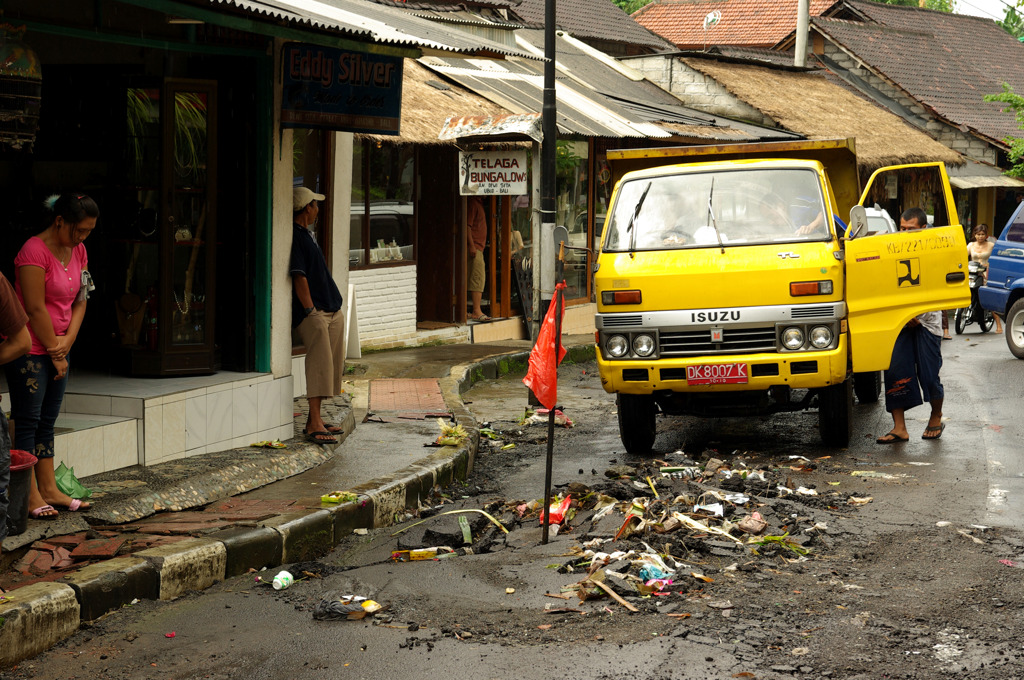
(757, 23)
(593, 19)
(948, 62)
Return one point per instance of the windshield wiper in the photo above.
(711, 212)
(632, 219)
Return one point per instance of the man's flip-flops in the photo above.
(321, 437)
(891, 438)
(933, 432)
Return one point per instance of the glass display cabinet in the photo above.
(166, 312)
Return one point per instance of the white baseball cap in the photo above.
(301, 197)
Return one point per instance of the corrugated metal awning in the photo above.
(371, 22)
(975, 175)
(519, 90)
(511, 127)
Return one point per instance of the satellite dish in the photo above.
(712, 19)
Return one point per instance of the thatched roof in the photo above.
(807, 103)
(427, 102)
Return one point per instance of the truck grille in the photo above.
(622, 320)
(817, 312)
(682, 343)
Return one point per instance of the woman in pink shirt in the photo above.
(52, 284)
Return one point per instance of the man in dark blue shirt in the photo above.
(316, 313)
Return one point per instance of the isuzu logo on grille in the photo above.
(716, 335)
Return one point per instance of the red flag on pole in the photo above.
(542, 376)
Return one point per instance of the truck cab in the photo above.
(1003, 292)
(728, 284)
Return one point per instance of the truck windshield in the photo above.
(750, 207)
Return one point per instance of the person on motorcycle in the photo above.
(979, 250)
(916, 359)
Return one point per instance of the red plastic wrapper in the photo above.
(557, 511)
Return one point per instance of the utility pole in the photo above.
(803, 23)
(549, 147)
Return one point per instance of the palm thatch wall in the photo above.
(811, 105)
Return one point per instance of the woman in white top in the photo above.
(979, 250)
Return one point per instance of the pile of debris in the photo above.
(664, 526)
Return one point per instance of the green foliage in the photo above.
(630, 6)
(1013, 22)
(1015, 103)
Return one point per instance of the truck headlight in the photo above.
(821, 337)
(617, 346)
(643, 345)
(793, 338)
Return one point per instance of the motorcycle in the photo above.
(973, 313)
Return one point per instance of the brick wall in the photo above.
(695, 89)
(385, 305)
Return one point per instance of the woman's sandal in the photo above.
(44, 512)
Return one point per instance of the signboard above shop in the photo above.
(335, 89)
(492, 172)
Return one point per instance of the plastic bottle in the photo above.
(282, 580)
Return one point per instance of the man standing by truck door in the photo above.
(916, 360)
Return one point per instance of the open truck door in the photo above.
(891, 278)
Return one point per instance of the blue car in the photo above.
(1004, 291)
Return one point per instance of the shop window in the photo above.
(571, 207)
(383, 217)
(309, 169)
(310, 150)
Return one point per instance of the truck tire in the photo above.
(636, 422)
(867, 386)
(1015, 329)
(835, 414)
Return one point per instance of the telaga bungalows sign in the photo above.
(334, 89)
(492, 172)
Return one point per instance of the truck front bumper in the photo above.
(798, 370)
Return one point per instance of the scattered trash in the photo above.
(348, 607)
(269, 444)
(1011, 563)
(283, 580)
(509, 591)
(169, 635)
(422, 554)
(540, 417)
(69, 484)
(451, 434)
(855, 500)
(339, 497)
(558, 510)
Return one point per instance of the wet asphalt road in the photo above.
(240, 629)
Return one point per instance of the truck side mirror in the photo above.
(561, 236)
(858, 222)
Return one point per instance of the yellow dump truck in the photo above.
(728, 283)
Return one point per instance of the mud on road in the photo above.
(830, 587)
(868, 565)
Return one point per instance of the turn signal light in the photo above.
(798, 288)
(621, 297)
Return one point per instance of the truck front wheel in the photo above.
(1015, 329)
(867, 386)
(835, 414)
(636, 422)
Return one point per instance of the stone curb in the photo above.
(36, 617)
